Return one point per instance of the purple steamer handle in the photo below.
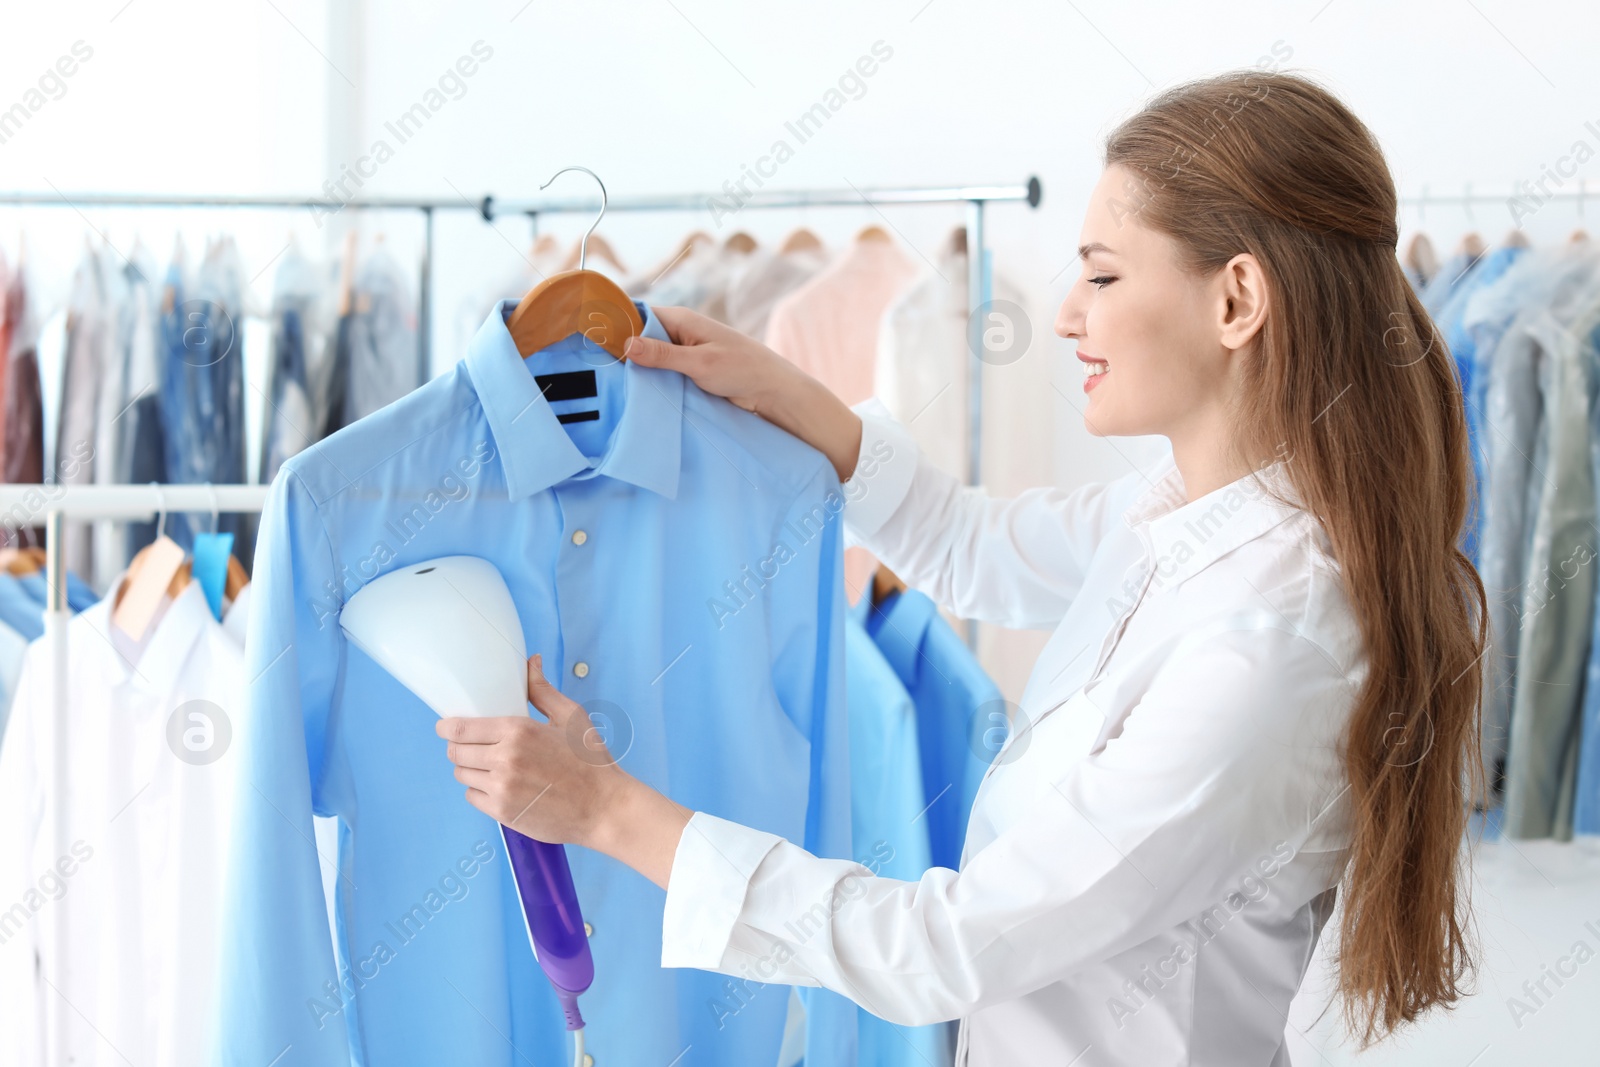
(555, 924)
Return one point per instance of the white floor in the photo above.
(1537, 907)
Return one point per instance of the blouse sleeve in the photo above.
(1220, 773)
(1017, 562)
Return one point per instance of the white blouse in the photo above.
(1154, 850)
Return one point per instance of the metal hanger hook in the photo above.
(161, 510)
(583, 246)
(216, 522)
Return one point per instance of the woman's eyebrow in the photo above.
(1095, 246)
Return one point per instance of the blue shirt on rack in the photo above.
(677, 562)
(959, 710)
(886, 820)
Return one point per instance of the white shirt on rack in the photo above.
(137, 889)
(1153, 852)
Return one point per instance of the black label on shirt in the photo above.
(568, 385)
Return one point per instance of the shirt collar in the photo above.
(536, 452)
(158, 661)
(1183, 538)
(898, 627)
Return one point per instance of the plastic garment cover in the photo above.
(303, 344)
(202, 385)
(1514, 419)
(1557, 601)
(383, 338)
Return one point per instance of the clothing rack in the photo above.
(135, 502)
(975, 197)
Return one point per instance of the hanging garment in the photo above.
(90, 341)
(960, 712)
(1172, 788)
(684, 281)
(302, 344)
(1556, 609)
(1512, 483)
(829, 327)
(6, 326)
(24, 417)
(127, 382)
(13, 649)
(202, 392)
(1451, 321)
(674, 559)
(1586, 789)
(80, 596)
(1442, 284)
(152, 777)
(886, 820)
(923, 372)
(142, 443)
(383, 338)
(755, 292)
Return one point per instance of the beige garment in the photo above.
(923, 377)
(829, 328)
(771, 277)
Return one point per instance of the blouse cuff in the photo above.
(883, 473)
(706, 888)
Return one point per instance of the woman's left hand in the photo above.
(556, 781)
(553, 780)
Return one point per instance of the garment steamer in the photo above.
(448, 631)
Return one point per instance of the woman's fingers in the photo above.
(477, 779)
(476, 756)
(471, 730)
(556, 706)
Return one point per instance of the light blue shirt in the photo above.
(677, 562)
(961, 716)
(886, 819)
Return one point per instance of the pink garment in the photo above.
(828, 327)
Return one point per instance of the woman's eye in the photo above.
(1102, 280)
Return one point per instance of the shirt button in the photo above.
(588, 929)
(579, 537)
(581, 669)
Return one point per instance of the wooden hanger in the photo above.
(232, 586)
(1472, 244)
(20, 561)
(740, 242)
(801, 240)
(1515, 238)
(873, 232)
(576, 301)
(885, 584)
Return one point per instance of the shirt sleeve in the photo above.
(1230, 759)
(279, 986)
(1016, 562)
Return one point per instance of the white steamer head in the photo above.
(448, 630)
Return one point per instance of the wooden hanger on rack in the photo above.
(576, 301)
(885, 584)
(801, 240)
(739, 242)
(873, 232)
(20, 561)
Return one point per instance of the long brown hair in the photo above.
(1351, 378)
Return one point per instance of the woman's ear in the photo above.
(1243, 301)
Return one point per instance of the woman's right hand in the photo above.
(723, 361)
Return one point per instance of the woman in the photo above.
(1263, 679)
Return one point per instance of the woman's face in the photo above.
(1162, 334)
